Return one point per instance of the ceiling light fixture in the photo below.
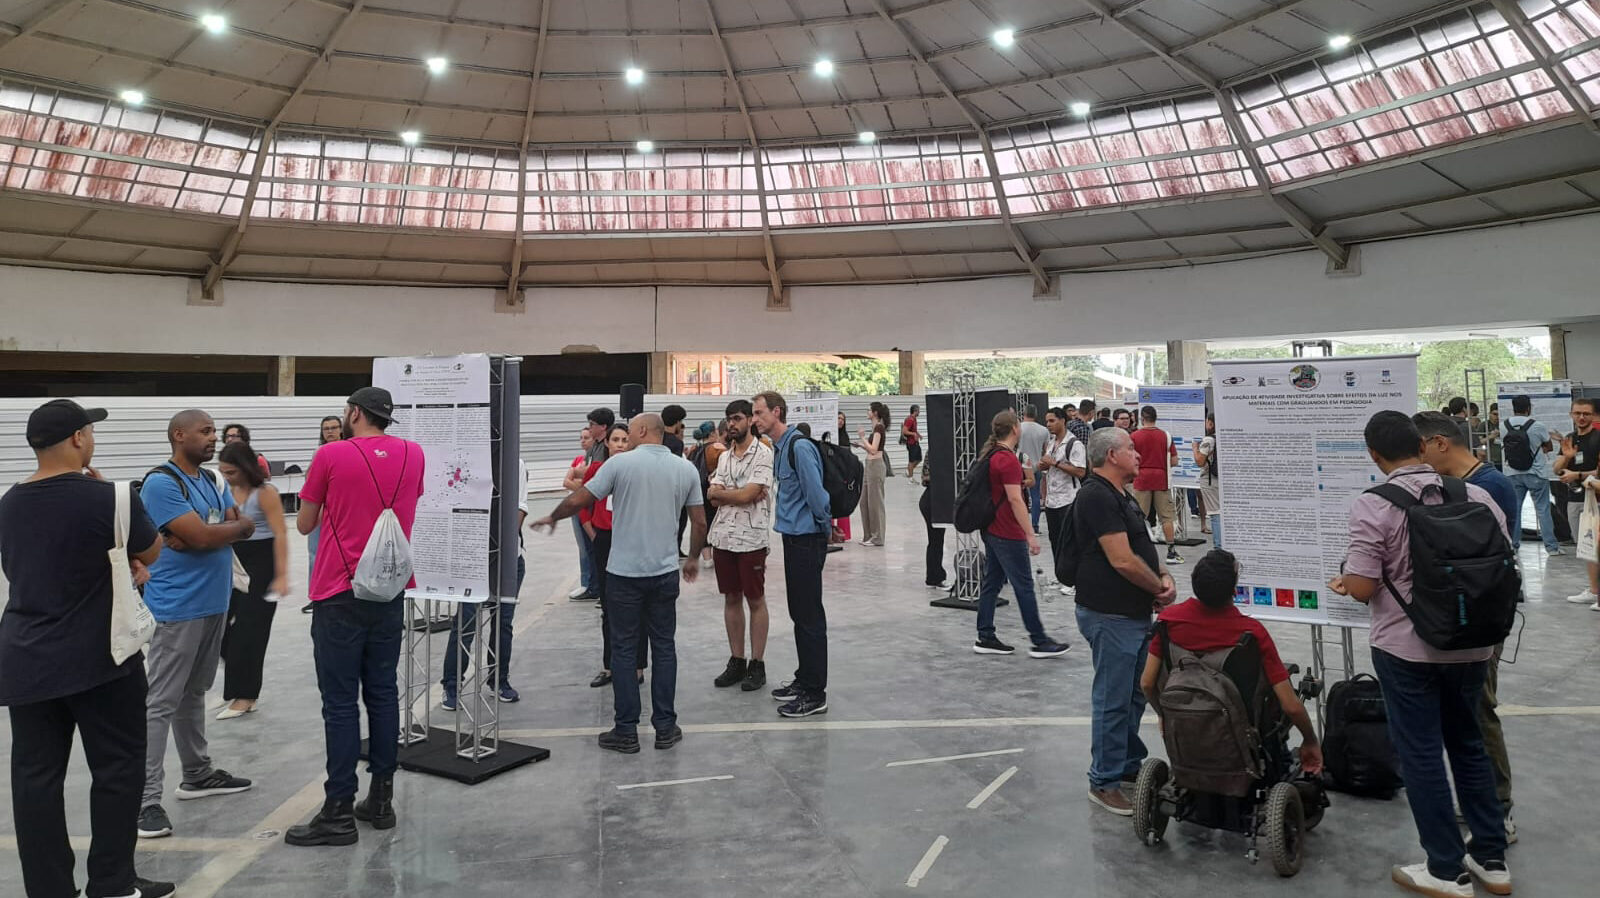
(214, 23)
(634, 75)
(410, 138)
(645, 146)
(1005, 37)
(823, 68)
(867, 136)
(437, 64)
(132, 97)
(1080, 108)
(1338, 41)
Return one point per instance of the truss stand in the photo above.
(969, 546)
(1320, 667)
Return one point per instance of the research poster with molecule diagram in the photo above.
(442, 404)
(1291, 458)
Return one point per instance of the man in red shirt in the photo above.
(1157, 455)
(913, 442)
(1008, 545)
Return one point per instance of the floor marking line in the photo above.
(976, 754)
(990, 789)
(926, 864)
(175, 844)
(1558, 711)
(685, 782)
(814, 724)
(219, 871)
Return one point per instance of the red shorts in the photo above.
(744, 573)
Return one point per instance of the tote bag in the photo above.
(1588, 535)
(132, 624)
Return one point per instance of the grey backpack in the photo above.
(1207, 725)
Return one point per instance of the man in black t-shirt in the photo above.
(56, 671)
(1578, 461)
(1120, 582)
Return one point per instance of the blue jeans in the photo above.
(585, 564)
(1008, 560)
(1117, 647)
(1527, 484)
(649, 605)
(357, 650)
(1035, 502)
(1433, 712)
(499, 649)
(1216, 531)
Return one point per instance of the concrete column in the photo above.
(913, 373)
(1186, 361)
(280, 376)
(660, 373)
(1558, 352)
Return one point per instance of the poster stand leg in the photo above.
(1320, 668)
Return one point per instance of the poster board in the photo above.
(1552, 402)
(442, 403)
(1181, 412)
(820, 412)
(1291, 459)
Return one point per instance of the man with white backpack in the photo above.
(58, 672)
(363, 492)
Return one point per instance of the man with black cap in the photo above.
(56, 670)
(356, 643)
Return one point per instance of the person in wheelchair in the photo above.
(1226, 703)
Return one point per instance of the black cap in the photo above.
(59, 419)
(375, 401)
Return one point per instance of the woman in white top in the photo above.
(265, 557)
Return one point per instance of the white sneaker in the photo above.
(1511, 829)
(1595, 607)
(576, 591)
(1494, 875)
(1417, 878)
(1587, 597)
(1069, 590)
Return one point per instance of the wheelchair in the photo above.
(1281, 806)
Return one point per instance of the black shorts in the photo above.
(914, 452)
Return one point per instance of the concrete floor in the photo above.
(811, 807)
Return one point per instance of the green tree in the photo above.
(854, 377)
(1060, 376)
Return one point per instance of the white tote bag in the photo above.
(1588, 535)
(132, 625)
(385, 565)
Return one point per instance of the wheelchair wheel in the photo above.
(1148, 821)
(1285, 828)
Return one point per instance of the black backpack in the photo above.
(1358, 757)
(1465, 582)
(975, 507)
(1518, 449)
(842, 474)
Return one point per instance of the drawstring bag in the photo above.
(132, 624)
(1588, 535)
(384, 568)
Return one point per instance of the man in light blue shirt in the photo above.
(803, 520)
(648, 486)
(1533, 480)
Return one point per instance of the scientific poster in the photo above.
(1290, 459)
(1181, 412)
(820, 412)
(1551, 399)
(442, 403)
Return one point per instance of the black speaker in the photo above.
(988, 402)
(1040, 403)
(631, 401)
(938, 442)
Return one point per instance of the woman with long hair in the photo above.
(331, 430)
(264, 555)
(873, 513)
(596, 522)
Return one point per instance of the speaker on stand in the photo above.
(630, 402)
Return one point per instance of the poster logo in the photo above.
(1350, 379)
(1305, 377)
(1233, 381)
(1386, 377)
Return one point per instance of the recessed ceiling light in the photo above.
(437, 64)
(645, 146)
(1005, 37)
(214, 23)
(634, 75)
(132, 97)
(824, 67)
(1080, 108)
(410, 138)
(867, 136)
(1339, 41)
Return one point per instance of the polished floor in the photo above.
(820, 807)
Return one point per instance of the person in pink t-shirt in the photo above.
(356, 643)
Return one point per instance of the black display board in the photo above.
(938, 442)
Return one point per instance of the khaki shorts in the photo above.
(1165, 513)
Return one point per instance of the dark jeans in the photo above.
(357, 649)
(111, 720)
(249, 627)
(499, 649)
(602, 557)
(1035, 503)
(649, 604)
(1055, 521)
(1008, 560)
(803, 558)
(1433, 713)
(935, 557)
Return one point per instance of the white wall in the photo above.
(1530, 274)
(1583, 352)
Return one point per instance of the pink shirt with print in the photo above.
(354, 481)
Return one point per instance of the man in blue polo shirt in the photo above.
(802, 518)
(188, 593)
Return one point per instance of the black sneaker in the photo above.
(153, 823)
(149, 888)
(731, 674)
(1173, 557)
(755, 676)
(667, 738)
(587, 595)
(219, 782)
(1050, 649)
(804, 706)
(991, 647)
(788, 692)
(628, 744)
